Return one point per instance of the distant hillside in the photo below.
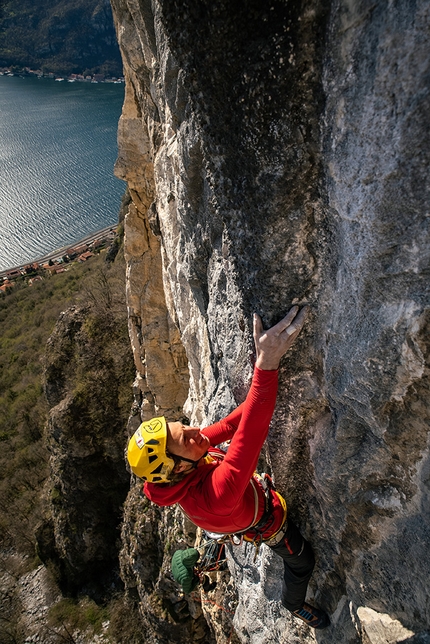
(62, 36)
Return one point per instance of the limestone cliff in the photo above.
(278, 152)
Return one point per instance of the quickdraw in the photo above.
(212, 556)
(193, 565)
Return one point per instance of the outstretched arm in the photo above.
(230, 479)
(270, 346)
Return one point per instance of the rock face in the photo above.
(276, 153)
(88, 369)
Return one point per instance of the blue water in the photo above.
(57, 152)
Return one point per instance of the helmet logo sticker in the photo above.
(154, 426)
(140, 441)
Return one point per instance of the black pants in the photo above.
(299, 563)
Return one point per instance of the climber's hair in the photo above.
(175, 477)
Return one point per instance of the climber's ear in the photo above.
(181, 467)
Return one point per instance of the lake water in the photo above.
(57, 152)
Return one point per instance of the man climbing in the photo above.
(220, 492)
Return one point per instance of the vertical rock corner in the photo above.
(276, 153)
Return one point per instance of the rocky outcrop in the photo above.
(88, 370)
(277, 153)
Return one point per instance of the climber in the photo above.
(220, 491)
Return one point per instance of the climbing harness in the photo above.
(266, 521)
(255, 531)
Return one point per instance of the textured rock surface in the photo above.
(150, 537)
(278, 152)
(88, 366)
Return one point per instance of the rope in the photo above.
(199, 600)
(211, 601)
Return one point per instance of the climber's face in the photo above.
(185, 441)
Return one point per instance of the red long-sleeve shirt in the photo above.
(218, 496)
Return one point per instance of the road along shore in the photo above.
(59, 252)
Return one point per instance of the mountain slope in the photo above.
(60, 36)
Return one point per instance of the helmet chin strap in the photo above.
(193, 463)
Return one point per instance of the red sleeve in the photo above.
(224, 429)
(229, 480)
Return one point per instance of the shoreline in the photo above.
(27, 72)
(59, 252)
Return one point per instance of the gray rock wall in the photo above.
(277, 153)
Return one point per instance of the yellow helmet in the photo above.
(146, 451)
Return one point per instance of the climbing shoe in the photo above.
(312, 616)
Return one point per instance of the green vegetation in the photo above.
(27, 318)
(73, 614)
(125, 625)
(119, 620)
(62, 36)
(28, 315)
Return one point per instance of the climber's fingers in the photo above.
(258, 326)
(285, 323)
(272, 344)
(297, 322)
